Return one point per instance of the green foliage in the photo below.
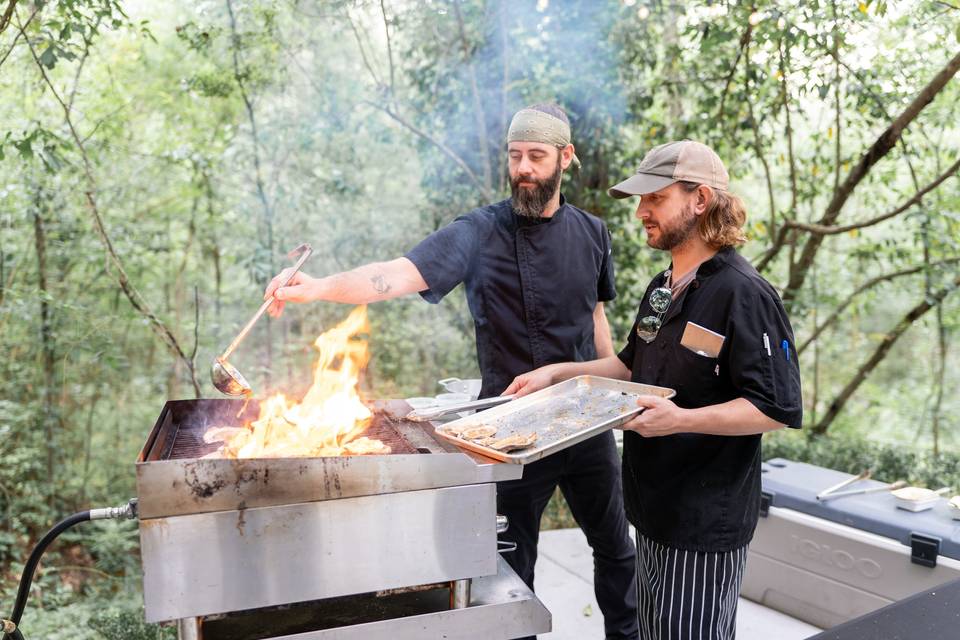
(888, 462)
(114, 618)
(216, 136)
(128, 624)
(557, 514)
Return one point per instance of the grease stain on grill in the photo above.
(331, 478)
(199, 488)
(245, 475)
(241, 517)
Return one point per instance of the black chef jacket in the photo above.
(532, 285)
(702, 492)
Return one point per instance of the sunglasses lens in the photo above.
(648, 327)
(660, 299)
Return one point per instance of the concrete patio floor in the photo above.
(564, 583)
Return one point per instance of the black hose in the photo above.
(26, 579)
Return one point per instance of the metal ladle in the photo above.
(224, 375)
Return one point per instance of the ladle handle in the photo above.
(306, 250)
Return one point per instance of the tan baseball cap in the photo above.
(672, 162)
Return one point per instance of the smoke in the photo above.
(510, 55)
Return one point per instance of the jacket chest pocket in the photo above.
(697, 377)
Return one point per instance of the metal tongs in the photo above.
(834, 492)
(432, 413)
(224, 375)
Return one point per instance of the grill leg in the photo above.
(460, 594)
(188, 629)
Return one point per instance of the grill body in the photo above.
(220, 536)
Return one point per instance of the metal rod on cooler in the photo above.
(864, 475)
(859, 492)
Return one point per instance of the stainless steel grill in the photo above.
(220, 537)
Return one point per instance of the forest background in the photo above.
(157, 160)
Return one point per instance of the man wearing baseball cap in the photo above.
(713, 329)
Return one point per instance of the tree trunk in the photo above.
(880, 148)
(880, 353)
(47, 348)
(258, 176)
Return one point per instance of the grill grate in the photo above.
(188, 442)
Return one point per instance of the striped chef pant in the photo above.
(687, 595)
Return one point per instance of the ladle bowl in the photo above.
(228, 380)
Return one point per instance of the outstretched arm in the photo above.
(526, 383)
(370, 283)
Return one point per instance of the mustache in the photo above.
(536, 182)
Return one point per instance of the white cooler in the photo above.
(826, 562)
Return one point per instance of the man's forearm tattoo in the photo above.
(380, 284)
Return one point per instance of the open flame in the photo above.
(331, 418)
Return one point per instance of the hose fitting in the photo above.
(128, 511)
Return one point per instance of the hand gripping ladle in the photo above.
(224, 375)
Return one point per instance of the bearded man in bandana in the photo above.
(537, 271)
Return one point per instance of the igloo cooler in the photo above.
(827, 562)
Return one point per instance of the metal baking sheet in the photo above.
(561, 415)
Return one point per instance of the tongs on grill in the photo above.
(224, 375)
(432, 413)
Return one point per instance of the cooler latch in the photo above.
(924, 549)
(766, 499)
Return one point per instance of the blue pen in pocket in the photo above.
(786, 349)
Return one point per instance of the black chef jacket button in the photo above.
(663, 344)
(695, 284)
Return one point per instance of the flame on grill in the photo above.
(331, 418)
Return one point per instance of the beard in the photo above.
(530, 202)
(677, 233)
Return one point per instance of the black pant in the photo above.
(588, 474)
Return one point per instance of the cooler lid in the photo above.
(795, 485)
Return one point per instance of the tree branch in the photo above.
(477, 103)
(450, 153)
(7, 15)
(869, 284)
(744, 41)
(386, 30)
(758, 147)
(363, 52)
(836, 97)
(16, 38)
(880, 353)
(774, 249)
(826, 230)
(258, 172)
(791, 156)
(129, 290)
(880, 148)
(834, 52)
